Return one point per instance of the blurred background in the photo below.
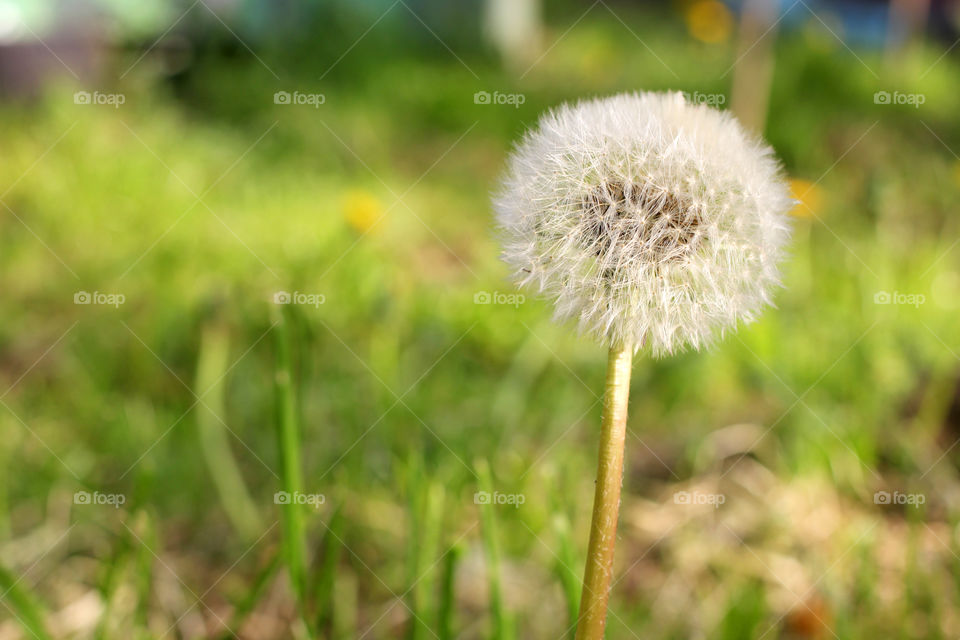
(228, 222)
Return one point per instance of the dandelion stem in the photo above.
(606, 500)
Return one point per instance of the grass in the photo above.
(388, 391)
(500, 626)
(23, 606)
(214, 437)
(289, 442)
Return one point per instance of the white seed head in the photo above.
(650, 220)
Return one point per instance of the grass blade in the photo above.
(24, 607)
(566, 559)
(447, 592)
(288, 434)
(142, 565)
(499, 624)
(426, 541)
(415, 482)
(346, 612)
(322, 594)
(260, 584)
(212, 366)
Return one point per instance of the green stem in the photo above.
(606, 500)
(290, 472)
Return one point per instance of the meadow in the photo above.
(799, 480)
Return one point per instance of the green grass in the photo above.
(22, 606)
(381, 398)
(289, 444)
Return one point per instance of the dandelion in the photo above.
(362, 210)
(709, 21)
(808, 197)
(652, 223)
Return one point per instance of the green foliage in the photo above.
(839, 396)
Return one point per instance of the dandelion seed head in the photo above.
(648, 220)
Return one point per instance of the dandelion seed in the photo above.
(648, 220)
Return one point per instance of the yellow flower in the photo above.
(809, 195)
(362, 210)
(709, 21)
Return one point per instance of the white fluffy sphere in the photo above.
(651, 221)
